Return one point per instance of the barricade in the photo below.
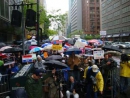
(4, 84)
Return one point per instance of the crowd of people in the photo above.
(84, 77)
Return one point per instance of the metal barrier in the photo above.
(4, 84)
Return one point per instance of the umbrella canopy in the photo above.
(47, 47)
(6, 47)
(31, 42)
(36, 49)
(1, 63)
(59, 38)
(12, 50)
(54, 57)
(55, 64)
(46, 44)
(31, 47)
(2, 55)
(75, 50)
(112, 48)
(2, 44)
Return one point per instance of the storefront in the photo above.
(109, 37)
(116, 37)
(125, 36)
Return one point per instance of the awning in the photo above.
(103, 36)
(116, 35)
(124, 34)
(109, 35)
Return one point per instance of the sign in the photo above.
(27, 58)
(103, 33)
(56, 47)
(98, 54)
(79, 44)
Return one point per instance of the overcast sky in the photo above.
(57, 4)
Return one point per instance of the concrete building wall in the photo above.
(91, 16)
(115, 16)
(75, 15)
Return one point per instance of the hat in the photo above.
(95, 68)
(37, 72)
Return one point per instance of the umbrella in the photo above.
(75, 50)
(46, 44)
(112, 48)
(54, 57)
(31, 42)
(31, 47)
(59, 38)
(36, 49)
(2, 44)
(3, 56)
(47, 47)
(12, 50)
(6, 47)
(55, 64)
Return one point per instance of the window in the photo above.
(117, 4)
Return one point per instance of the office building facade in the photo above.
(115, 17)
(91, 16)
(75, 15)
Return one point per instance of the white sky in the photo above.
(57, 4)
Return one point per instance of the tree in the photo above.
(58, 19)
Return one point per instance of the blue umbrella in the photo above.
(70, 50)
(46, 44)
(36, 49)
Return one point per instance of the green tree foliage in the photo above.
(58, 19)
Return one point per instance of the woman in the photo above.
(124, 73)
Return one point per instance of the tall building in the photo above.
(115, 19)
(75, 15)
(91, 16)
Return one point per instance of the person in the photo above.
(34, 83)
(124, 73)
(39, 63)
(72, 88)
(94, 81)
(73, 63)
(73, 60)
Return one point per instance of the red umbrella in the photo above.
(3, 56)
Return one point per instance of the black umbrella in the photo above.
(2, 44)
(75, 50)
(54, 57)
(12, 50)
(55, 64)
(112, 48)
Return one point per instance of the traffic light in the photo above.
(30, 18)
(16, 18)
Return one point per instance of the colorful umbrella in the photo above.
(36, 49)
(46, 44)
(31, 47)
(47, 47)
(75, 50)
(6, 47)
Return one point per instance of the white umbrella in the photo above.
(49, 47)
(59, 38)
(31, 42)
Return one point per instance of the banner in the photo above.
(56, 47)
(79, 44)
(27, 58)
(98, 54)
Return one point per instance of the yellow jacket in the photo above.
(125, 69)
(99, 79)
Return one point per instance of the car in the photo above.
(121, 45)
(108, 42)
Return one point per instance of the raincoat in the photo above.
(34, 87)
(125, 69)
(99, 80)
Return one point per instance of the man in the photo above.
(94, 81)
(34, 83)
(72, 88)
(39, 63)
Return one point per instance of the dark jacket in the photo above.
(76, 87)
(34, 87)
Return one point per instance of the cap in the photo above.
(37, 72)
(95, 68)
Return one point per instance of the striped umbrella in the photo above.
(46, 44)
(36, 49)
